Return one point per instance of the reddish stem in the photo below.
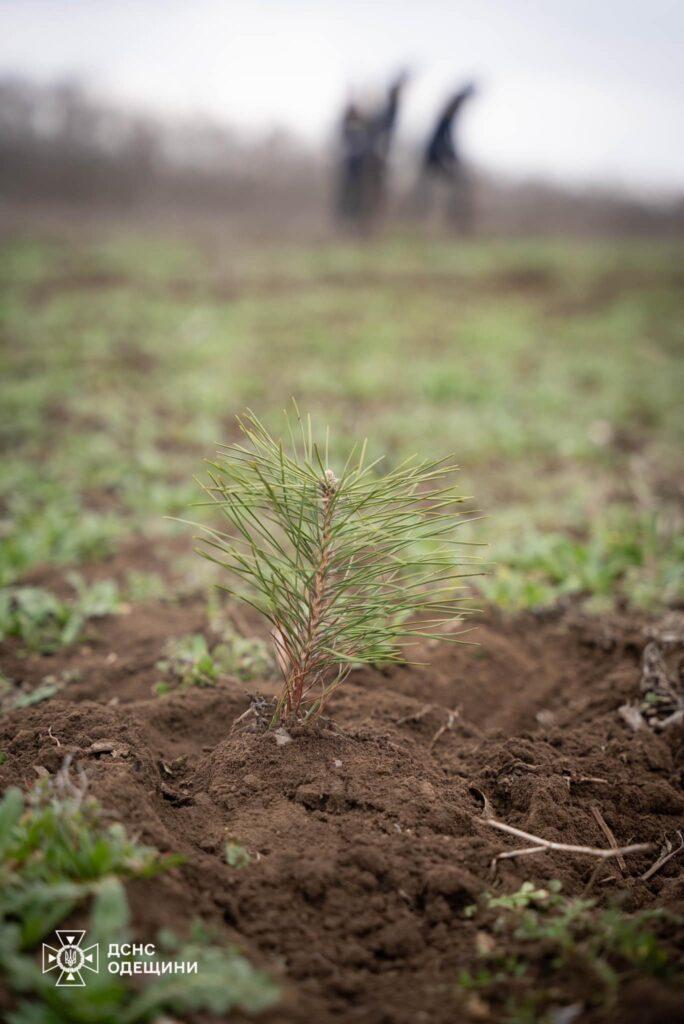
(317, 599)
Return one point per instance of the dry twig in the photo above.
(259, 709)
(605, 828)
(540, 845)
(668, 854)
(573, 779)
(416, 715)
(449, 724)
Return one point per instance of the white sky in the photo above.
(579, 90)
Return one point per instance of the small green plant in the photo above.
(146, 586)
(54, 851)
(23, 696)
(44, 622)
(27, 698)
(526, 896)
(636, 556)
(237, 856)
(246, 657)
(348, 566)
(47, 523)
(537, 928)
(58, 856)
(187, 662)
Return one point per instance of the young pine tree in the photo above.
(348, 565)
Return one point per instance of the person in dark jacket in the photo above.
(366, 140)
(442, 166)
(351, 198)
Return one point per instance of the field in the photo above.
(346, 876)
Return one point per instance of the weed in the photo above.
(248, 658)
(537, 928)
(237, 856)
(23, 696)
(189, 661)
(26, 698)
(347, 569)
(54, 851)
(44, 622)
(50, 526)
(146, 586)
(526, 896)
(636, 556)
(57, 856)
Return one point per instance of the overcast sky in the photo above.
(580, 90)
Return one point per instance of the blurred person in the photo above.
(366, 141)
(351, 199)
(442, 168)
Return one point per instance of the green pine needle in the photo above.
(349, 567)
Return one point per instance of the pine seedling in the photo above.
(349, 566)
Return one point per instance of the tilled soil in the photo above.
(367, 836)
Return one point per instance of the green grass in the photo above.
(553, 370)
(634, 557)
(60, 856)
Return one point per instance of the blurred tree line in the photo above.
(62, 145)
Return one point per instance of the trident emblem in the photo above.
(70, 958)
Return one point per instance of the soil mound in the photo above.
(366, 836)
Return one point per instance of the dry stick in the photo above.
(547, 844)
(663, 859)
(241, 718)
(608, 833)
(449, 724)
(605, 828)
(416, 716)
(572, 779)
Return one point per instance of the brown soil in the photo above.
(227, 289)
(517, 280)
(367, 838)
(155, 555)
